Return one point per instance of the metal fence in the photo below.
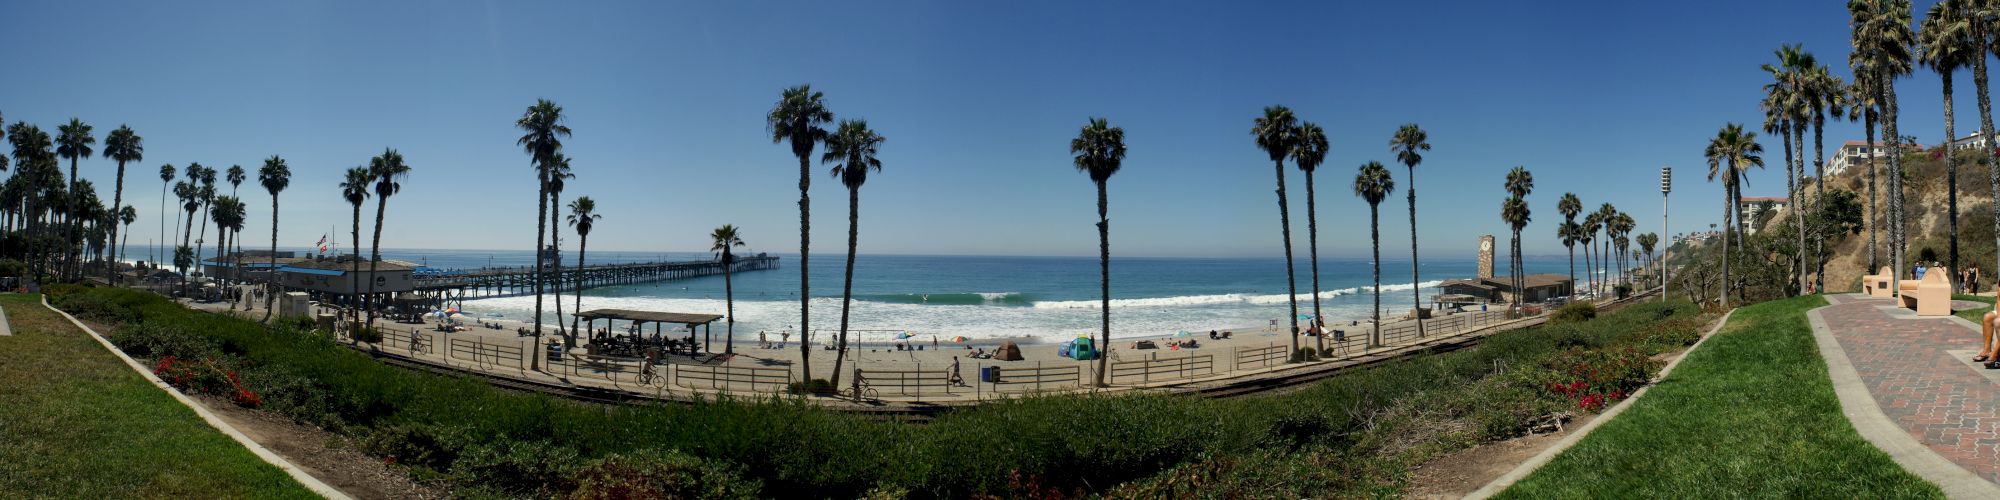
(1157, 368)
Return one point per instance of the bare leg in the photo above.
(1986, 327)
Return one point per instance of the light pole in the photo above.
(1666, 186)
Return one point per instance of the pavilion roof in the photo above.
(650, 316)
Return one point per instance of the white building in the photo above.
(1972, 140)
(1852, 153)
(1753, 205)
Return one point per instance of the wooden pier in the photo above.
(518, 281)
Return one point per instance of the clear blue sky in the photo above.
(978, 102)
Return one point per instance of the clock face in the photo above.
(1485, 245)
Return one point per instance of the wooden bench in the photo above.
(1877, 285)
(1930, 296)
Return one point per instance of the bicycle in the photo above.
(860, 390)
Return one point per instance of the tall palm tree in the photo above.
(228, 209)
(1789, 101)
(1591, 223)
(1945, 45)
(1826, 94)
(1309, 152)
(1514, 211)
(1373, 184)
(722, 240)
(73, 141)
(1982, 38)
(799, 118)
(122, 146)
(1098, 150)
(1276, 132)
(1882, 36)
(853, 150)
(275, 176)
(1730, 155)
(127, 215)
(167, 174)
(1409, 143)
(1646, 243)
(1567, 233)
(542, 132)
(559, 173)
(388, 171)
(583, 216)
(1607, 219)
(1861, 107)
(1569, 206)
(205, 193)
(354, 188)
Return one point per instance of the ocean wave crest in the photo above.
(1230, 298)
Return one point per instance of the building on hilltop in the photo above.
(1752, 206)
(1853, 153)
(1972, 140)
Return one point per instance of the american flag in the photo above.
(322, 243)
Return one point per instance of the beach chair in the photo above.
(1930, 296)
(1877, 285)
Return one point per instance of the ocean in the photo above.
(1047, 298)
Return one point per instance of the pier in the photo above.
(518, 281)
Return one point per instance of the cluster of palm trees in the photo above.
(1954, 35)
(54, 223)
(799, 120)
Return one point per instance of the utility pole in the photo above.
(1666, 186)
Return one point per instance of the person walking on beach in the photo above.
(763, 340)
(785, 337)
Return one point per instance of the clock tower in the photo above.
(1486, 256)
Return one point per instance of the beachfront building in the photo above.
(1854, 153)
(1500, 289)
(249, 265)
(1972, 140)
(1753, 206)
(330, 275)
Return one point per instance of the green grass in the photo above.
(1752, 412)
(1976, 313)
(75, 421)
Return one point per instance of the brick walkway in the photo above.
(1914, 371)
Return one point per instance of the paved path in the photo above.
(1914, 371)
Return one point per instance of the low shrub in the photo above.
(647, 474)
(367, 335)
(1574, 312)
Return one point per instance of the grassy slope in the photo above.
(1751, 412)
(77, 422)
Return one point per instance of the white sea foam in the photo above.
(1231, 298)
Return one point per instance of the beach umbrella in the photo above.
(903, 335)
(959, 339)
(1182, 333)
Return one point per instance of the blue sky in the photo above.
(978, 102)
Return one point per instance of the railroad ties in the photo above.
(519, 281)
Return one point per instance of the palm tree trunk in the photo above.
(583, 242)
(164, 237)
(354, 269)
(271, 276)
(541, 234)
(728, 301)
(1950, 170)
(1291, 280)
(1797, 207)
(1312, 246)
(71, 244)
(1104, 278)
(1375, 236)
(1819, 198)
(201, 236)
(1896, 229)
(1572, 269)
(847, 289)
(805, 278)
(117, 204)
(1986, 123)
(555, 264)
(1728, 223)
(127, 235)
(1874, 220)
(375, 255)
(1416, 282)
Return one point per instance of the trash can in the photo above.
(555, 352)
(989, 374)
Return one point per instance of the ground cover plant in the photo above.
(1355, 433)
(1753, 410)
(77, 422)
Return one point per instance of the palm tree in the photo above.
(1646, 243)
(1373, 183)
(1882, 37)
(1786, 108)
(1098, 150)
(722, 240)
(558, 173)
(1591, 223)
(205, 193)
(798, 118)
(167, 173)
(275, 176)
(1730, 155)
(1569, 206)
(1981, 37)
(1514, 211)
(543, 130)
(126, 215)
(853, 151)
(1409, 143)
(122, 146)
(1276, 132)
(354, 189)
(1946, 45)
(1309, 153)
(583, 216)
(1861, 107)
(227, 214)
(1567, 233)
(73, 141)
(388, 171)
